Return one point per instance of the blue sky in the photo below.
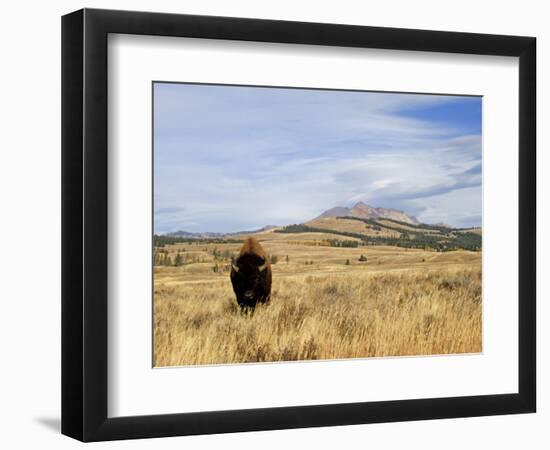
(230, 158)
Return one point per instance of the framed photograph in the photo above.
(272, 224)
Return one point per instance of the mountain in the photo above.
(187, 234)
(442, 224)
(359, 225)
(364, 211)
(215, 235)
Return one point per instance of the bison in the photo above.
(251, 275)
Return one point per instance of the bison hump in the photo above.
(251, 247)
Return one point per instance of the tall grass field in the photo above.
(326, 303)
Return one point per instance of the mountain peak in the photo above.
(363, 211)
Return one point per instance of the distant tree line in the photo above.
(162, 258)
(441, 243)
(160, 240)
(343, 243)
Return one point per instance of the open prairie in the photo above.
(327, 302)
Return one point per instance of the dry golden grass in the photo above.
(400, 302)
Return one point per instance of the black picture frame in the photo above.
(84, 224)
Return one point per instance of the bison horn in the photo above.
(235, 267)
(262, 267)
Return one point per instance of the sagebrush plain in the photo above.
(326, 303)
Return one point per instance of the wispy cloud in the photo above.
(232, 158)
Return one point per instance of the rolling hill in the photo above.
(359, 225)
(385, 231)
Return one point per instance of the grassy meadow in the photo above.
(327, 303)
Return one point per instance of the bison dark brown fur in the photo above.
(251, 275)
